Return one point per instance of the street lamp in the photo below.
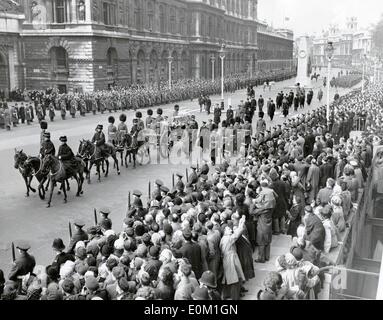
(330, 53)
(212, 58)
(222, 57)
(170, 60)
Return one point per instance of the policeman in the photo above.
(193, 177)
(79, 235)
(47, 147)
(137, 202)
(24, 264)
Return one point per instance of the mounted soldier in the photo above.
(99, 141)
(47, 147)
(66, 155)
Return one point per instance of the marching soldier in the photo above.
(112, 131)
(23, 265)
(140, 123)
(52, 112)
(149, 119)
(79, 235)
(21, 114)
(14, 115)
(217, 114)
(82, 105)
(229, 115)
(63, 109)
(47, 147)
(73, 107)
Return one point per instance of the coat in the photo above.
(314, 231)
(280, 189)
(313, 177)
(192, 251)
(22, 266)
(80, 235)
(232, 268)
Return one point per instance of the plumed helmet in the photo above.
(111, 119)
(138, 115)
(123, 117)
(44, 125)
(150, 112)
(159, 111)
(176, 107)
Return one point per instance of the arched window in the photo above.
(111, 57)
(172, 20)
(59, 58)
(162, 19)
(150, 15)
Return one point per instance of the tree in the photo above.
(377, 36)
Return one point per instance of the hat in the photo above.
(91, 283)
(123, 118)
(100, 126)
(200, 294)
(180, 175)
(208, 278)
(44, 125)
(139, 114)
(137, 193)
(159, 111)
(164, 189)
(193, 166)
(111, 119)
(159, 183)
(47, 135)
(79, 223)
(23, 245)
(105, 211)
(63, 139)
(58, 244)
(150, 112)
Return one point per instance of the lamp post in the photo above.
(330, 53)
(212, 58)
(170, 60)
(222, 57)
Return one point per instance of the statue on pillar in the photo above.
(81, 11)
(38, 15)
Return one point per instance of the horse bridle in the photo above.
(59, 170)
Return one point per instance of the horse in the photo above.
(315, 76)
(58, 174)
(30, 167)
(88, 153)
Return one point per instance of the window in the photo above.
(182, 22)
(59, 58)
(172, 20)
(109, 13)
(150, 15)
(138, 14)
(60, 11)
(162, 19)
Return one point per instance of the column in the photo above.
(11, 69)
(134, 70)
(249, 10)
(197, 66)
(88, 14)
(197, 24)
(73, 11)
(146, 70)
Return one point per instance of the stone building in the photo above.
(11, 49)
(87, 45)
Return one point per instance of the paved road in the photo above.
(29, 219)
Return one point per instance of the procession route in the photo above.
(29, 219)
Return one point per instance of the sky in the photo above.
(313, 16)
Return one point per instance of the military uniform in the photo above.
(23, 265)
(47, 148)
(66, 155)
(79, 235)
(99, 140)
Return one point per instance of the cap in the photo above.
(137, 193)
(79, 223)
(159, 182)
(63, 139)
(193, 166)
(178, 174)
(164, 189)
(105, 211)
(23, 245)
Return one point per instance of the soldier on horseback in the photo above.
(47, 147)
(66, 155)
(99, 141)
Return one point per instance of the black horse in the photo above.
(88, 152)
(30, 167)
(58, 174)
(315, 76)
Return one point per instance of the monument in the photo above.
(303, 63)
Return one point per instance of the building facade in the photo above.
(88, 45)
(350, 44)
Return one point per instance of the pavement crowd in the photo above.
(196, 240)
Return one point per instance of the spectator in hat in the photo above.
(314, 230)
(209, 281)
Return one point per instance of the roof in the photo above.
(11, 6)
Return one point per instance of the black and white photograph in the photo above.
(213, 151)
